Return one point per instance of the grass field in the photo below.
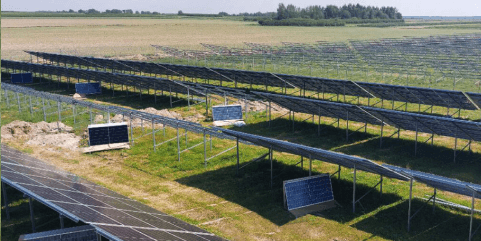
(245, 207)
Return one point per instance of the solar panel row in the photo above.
(440, 182)
(443, 126)
(427, 96)
(81, 233)
(114, 215)
(142, 82)
(314, 153)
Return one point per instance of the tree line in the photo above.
(331, 11)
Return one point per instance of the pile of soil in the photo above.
(164, 112)
(41, 134)
(258, 106)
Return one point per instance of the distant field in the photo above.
(120, 36)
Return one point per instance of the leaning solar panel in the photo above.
(21, 78)
(99, 209)
(308, 191)
(314, 153)
(227, 112)
(440, 182)
(88, 88)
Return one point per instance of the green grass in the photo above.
(144, 170)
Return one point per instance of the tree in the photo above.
(137, 12)
(156, 13)
(282, 12)
(345, 14)
(223, 14)
(180, 12)
(92, 11)
(81, 11)
(331, 11)
(129, 11)
(71, 11)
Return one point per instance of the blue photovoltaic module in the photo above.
(227, 112)
(308, 191)
(88, 88)
(21, 78)
(111, 133)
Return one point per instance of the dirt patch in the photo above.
(41, 134)
(132, 57)
(136, 122)
(257, 106)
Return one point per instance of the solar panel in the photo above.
(101, 134)
(227, 112)
(81, 233)
(440, 182)
(21, 78)
(308, 191)
(88, 88)
(315, 153)
(427, 96)
(114, 216)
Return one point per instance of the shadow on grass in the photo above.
(45, 218)
(391, 223)
(252, 190)
(400, 152)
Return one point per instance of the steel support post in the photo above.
(410, 202)
(354, 191)
(272, 166)
(59, 109)
(188, 98)
(380, 186)
(5, 201)
(153, 131)
(32, 219)
(302, 162)
(347, 126)
(90, 113)
(74, 115)
(237, 147)
(62, 225)
(30, 102)
(416, 141)
(310, 165)
(178, 143)
(382, 128)
(18, 103)
(205, 151)
(270, 116)
(44, 112)
(170, 93)
(434, 199)
(471, 219)
(131, 128)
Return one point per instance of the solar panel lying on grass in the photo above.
(440, 182)
(114, 216)
(308, 191)
(101, 134)
(21, 78)
(88, 88)
(81, 233)
(227, 112)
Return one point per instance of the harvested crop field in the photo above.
(115, 37)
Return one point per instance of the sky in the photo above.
(406, 7)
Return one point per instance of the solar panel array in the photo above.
(427, 96)
(111, 133)
(142, 82)
(227, 112)
(443, 126)
(314, 153)
(158, 119)
(308, 191)
(114, 216)
(88, 88)
(21, 78)
(81, 233)
(440, 182)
